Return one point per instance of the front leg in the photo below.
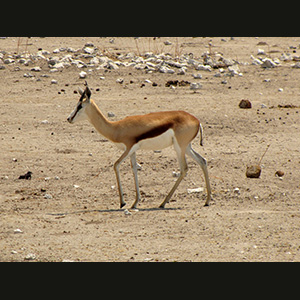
(116, 168)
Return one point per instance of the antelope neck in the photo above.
(98, 120)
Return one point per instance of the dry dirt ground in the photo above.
(69, 210)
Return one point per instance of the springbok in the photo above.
(153, 131)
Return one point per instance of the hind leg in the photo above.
(203, 164)
(183, 171)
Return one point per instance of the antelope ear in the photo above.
(88, 92)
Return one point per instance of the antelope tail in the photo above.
(201, 135)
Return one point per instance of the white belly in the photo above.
(159, 142)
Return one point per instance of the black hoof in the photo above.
(122, 204)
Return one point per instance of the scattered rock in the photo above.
(253, 171)
(244, 103)
(164, 69)
(30, 256)
(36, 69)
(110, 114)
(279, 173)
(195, 86)
(268, 63)
(8, 61)
(237, 191)
(89, 50)
(18, 230)
(127, 212)
(28, 75)
(261, 52)
(120, 80)
(296, 65)
(82, 74)
(197, 76)
(197, 190)
(202, 67)
(26, 176)
(53, 81)
(176, 82)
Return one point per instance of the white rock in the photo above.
(120, 80)
(237, 191)
(53, 81)
(257, 62)
(36, 69)
(45, 122)
(195, 86)
(127, 212)
(197, 76)
(261, 52)
(59, 65)
(296, 65)
(82, 74)
(88, 50)
(197, 190)
(30, 256)
(164, 69)
(8, 61)
(48, 196)
(79, 64)
(280, 90)
(94, 61)
(18, 230)
(56, 51)
(181, 71)
(67, 260)
(202, 67)
(28, 75)
(234, 70)
(167, 43)
(268, 63)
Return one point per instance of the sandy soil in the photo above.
(69, 210)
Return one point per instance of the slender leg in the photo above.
(203, 164)
(134, 167)
(116, 168)
(183, 171)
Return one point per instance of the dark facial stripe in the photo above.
(154, 132)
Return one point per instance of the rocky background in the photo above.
(58, 195)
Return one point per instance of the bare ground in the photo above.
(81, 220)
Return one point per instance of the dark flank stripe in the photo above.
(154, 132)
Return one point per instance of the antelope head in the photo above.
(79, 113)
